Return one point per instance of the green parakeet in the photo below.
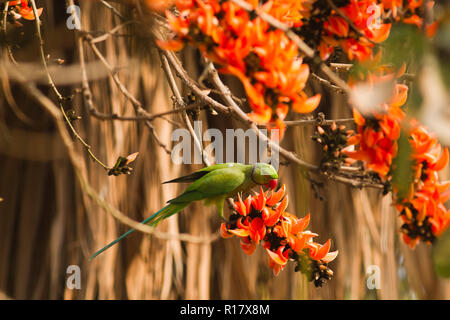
(212, 184)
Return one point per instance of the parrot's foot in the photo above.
(224, 219)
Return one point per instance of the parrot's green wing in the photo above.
(189, 178)
(212, 183)
(216, 183)
(204, 171)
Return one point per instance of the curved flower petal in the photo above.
(170, 45)
(224, 231)
(441, 162)
(330, 256)
(278, 256)
(307, 105)
(248, 247)
(301, 224)
(240, 232)
(318, 252)
(275, 197)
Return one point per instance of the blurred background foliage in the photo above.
(48, 222)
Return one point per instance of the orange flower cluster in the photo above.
(423, 211)
(265, 60)
(326, 28)
(410, 12)
(376, 142)
(377, 135)
(338, 32)
(262, 219)
(24, 9)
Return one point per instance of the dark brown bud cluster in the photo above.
(122, 165)
(317, 271)
(416, 225)
(333, 139)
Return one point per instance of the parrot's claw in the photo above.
(222, 217)
(224, 220)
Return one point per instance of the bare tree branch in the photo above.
(137, 105)
(181, 104)
(56, 91)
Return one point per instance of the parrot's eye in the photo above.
(272, 184)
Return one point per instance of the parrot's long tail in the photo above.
(153, 220)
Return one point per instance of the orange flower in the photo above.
(277, 260)
(275, 196)
(376, 137)
(337, 25)
(159, 5)
(259, 201)
(224, 232)
(263, 218)
(423, 212)
(378, 34)
(248, 246)
(414, 19)
(243, 207)
(355, 49)
(361, 15)
(271, 217)
(377, 145)
(257, 230)
(265, 60)
(24, 9)
(317, 251)
(422, 209)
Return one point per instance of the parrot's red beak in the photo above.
(272, 184)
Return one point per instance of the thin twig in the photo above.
(137, 105)
(6, 87)
(114, 10)
(42, 53)
(356, 183)
(348, 66)
(316, 122)
(4, 23)
(87, 95)
(4, 16)
(181, 104)
(55, 90)
(327, 83)
(113, 31)
(114, 116)
(182, 74)
(339, 66)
